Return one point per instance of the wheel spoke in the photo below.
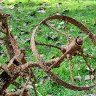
(49, 25)
(58, 62)
(89, 66)
(87, 56)
(87, 36)
(50, 45)
(67, 32)
(70, 69)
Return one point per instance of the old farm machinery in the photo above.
(68, 42)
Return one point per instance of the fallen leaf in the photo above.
(65, 11)
(90, 95)
(77, 78)
(41, 10)
(89, 77)
(42, 81)
(43, 4)
(58, 5)
(49, 94)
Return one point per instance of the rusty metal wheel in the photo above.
(74, 47)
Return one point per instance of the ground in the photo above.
(26, 14)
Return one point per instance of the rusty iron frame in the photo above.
(18, 63)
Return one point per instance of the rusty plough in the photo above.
(19, 67)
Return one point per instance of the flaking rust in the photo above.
(19, 67)
(11, 71)
(72, 49)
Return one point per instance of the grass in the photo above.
(23, 19)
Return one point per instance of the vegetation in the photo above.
(26, 14)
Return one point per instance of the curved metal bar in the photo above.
(74, 22)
